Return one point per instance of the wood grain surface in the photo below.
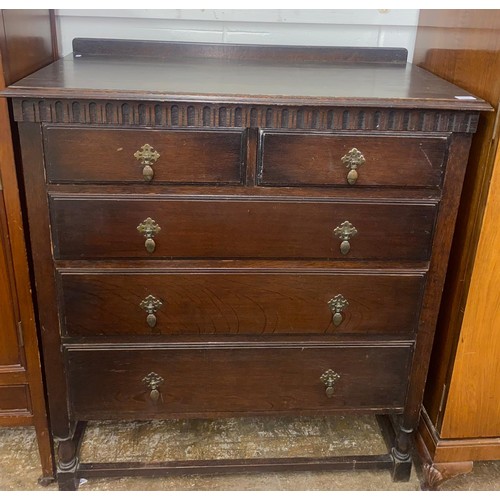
(258, 303)
(289, 159)
(472, 409)
(254, 339)
(290, 81)
(75, 155)
(108, 383)
(27, 42)
(237, 228)
(463, 46)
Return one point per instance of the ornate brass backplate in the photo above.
(153, 381)
(147, 156)
(345, 232)
(151, 304)
(337, 305)
(353, 159)
(149, 228)
(329, 378)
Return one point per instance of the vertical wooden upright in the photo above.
(27, 42)
(461, 417)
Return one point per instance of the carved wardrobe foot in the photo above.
(435, 474)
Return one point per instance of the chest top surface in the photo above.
(103, 69)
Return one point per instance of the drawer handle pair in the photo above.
(149, 229)
(153, 381)
(151, 304)
(147, 156)
(353, 159)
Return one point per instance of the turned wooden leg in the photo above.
(401, 454)
(67, 465)
(67, 454)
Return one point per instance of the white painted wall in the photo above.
(347, 27)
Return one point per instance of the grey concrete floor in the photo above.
(229, 438)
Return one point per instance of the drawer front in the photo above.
(14, 398)
(307, 159)
(77, 155)
(239, 303)
(208, 228)
(217, 381)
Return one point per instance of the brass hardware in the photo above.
(345, 232)
(149, 228)
(151, 304)
(147, 156)
(153, 381)
(329, 378)
(353, 159)
(337, 305)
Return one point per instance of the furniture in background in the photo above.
(461, 416)
(223, 230)
(27, 42)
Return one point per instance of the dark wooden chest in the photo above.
(224, 230)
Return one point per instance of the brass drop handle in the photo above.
(345, 232)
(147, 156)
(149, 228)
(152, 382)
(337, 305)
(353, 159)
(329, 378)
(151, 304)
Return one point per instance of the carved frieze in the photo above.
(217, 115)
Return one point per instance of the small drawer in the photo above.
(113, 303)
(166, 227)
(134, 382)
(109, 155)
(290, 159)
(14, 398)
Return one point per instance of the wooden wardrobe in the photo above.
(27, 42)
(460, 421)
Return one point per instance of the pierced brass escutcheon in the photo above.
(353, 159)
(337, 305)
(329, 378)
(151, 304)
(149, 228)
(147, 156)
(153, 381)
(345, 232)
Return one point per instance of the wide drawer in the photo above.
(121, 382)
(83, 154)
(111, 303)
(100, 228)
(294, 159)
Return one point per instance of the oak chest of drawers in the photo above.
(228, 230)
